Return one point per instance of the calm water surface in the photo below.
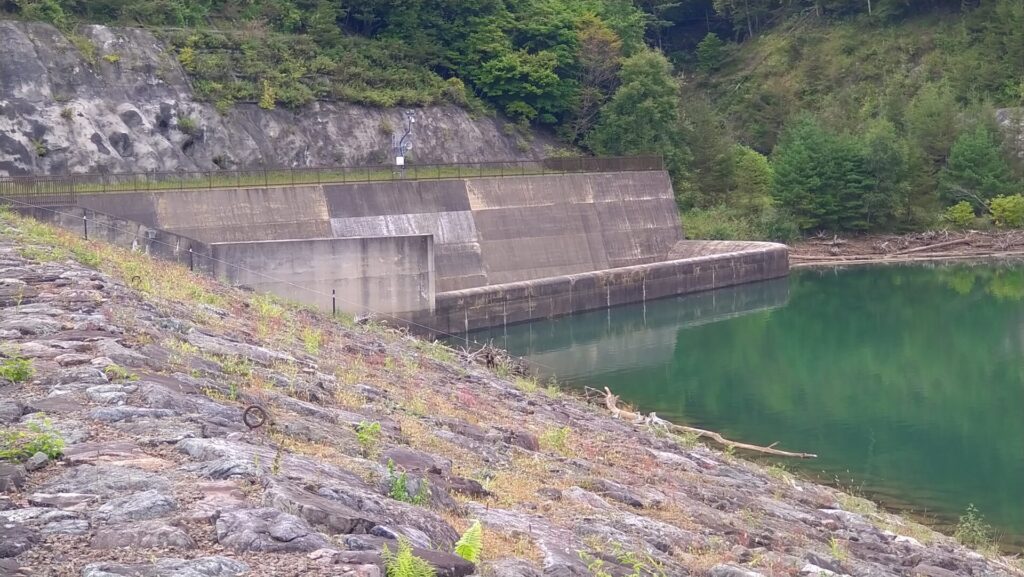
(907, 381)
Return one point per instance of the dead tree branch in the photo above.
(611, 401)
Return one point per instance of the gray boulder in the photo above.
(139, 506)
(171, 567)
(268, 531)
(15, 539)
(147, 535)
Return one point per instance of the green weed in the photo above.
(312, 340)
(18, 445)
(369, 437)
(117, 373)
(972, 530)
(16, 369)
(556, 439)
(399, 489)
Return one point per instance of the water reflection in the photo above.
(906, 380)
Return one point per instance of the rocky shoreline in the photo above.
(139, 376)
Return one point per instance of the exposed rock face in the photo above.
(60, 113)
(169, 483)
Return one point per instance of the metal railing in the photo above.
(61, 189)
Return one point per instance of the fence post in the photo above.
(334, 303)
(191, 260)
(85, 225)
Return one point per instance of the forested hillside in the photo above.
(775, 118)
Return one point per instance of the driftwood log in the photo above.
(611, 401)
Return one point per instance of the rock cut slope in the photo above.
(143, 372)
(130, 107)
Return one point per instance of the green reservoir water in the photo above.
(907, 381)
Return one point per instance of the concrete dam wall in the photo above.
(501, 249)
(489, 230)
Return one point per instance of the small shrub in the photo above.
(39, 438)
(717, 223)
(837, 549)
(403, 563)
(67, 113)
(187, 58)
(312, 340)
(112, 58)
(236, 366)
(40, 148)
(556, 440)
(526, 384)
(84, 46)
(117, 373)
(385, 127)
(187, 125)
(1007, 211)
(368, 435)
(16, 370)
(973, 531)
(399, 489)
(471, 543)
(267, 96)
(960, 215)
(436, 350)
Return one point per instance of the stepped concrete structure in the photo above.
(448, 255)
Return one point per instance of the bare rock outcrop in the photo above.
(60, 112)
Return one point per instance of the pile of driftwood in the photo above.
(652, 420)
(917, 247)
(493, 357)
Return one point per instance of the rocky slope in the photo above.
(123, 112)
(143, 371)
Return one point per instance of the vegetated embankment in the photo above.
(126, 451)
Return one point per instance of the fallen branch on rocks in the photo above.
(652, 420)
(931, 247)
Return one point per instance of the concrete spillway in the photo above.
(454, 254)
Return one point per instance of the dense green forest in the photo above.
(775, 118)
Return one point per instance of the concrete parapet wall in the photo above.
(390, 275)
(497, 305)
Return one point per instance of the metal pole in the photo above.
(191, 260)
(334, 304)
(85, 226)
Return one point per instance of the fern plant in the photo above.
(403, 563)
(470, 545)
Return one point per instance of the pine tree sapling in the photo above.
(710, 53)
(976, 170)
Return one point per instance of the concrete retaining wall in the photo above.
(497, 305)
(123, 233)
(391, 275)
